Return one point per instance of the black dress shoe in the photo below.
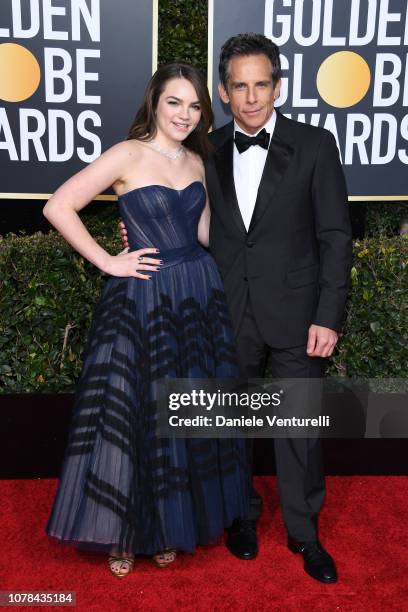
(318, 562)
(241, 539)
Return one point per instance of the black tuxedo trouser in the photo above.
(299, 466)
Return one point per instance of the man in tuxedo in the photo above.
(280, 234)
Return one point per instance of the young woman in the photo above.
(162, 314)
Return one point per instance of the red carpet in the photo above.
(363, 524)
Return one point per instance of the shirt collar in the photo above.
(269, 126)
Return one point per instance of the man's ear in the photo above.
(223, 93)
(276, 91)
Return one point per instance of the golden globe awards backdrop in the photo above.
(345, 68)
(72, 74)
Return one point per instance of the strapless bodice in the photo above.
(162, 217)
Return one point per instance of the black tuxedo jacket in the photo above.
(294, 261)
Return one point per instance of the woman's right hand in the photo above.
(131, 264)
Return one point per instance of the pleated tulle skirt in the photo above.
(121, 486)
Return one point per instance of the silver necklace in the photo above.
(169, 154)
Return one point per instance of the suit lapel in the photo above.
(224, 163)
(279, 155)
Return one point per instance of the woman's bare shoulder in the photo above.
(128, 154)
(132, 149)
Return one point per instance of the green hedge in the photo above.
(375, 338)
(47, 298)
(385, 218)
(183, 32)
(48, 294)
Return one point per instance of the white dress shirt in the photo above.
(248, 169)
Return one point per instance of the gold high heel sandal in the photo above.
(163, 559)
(121, 565)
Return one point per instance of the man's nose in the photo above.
(251, 95)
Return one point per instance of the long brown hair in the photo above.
(144, 126)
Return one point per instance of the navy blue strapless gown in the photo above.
(120, 485)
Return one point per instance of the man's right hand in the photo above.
(123, 234)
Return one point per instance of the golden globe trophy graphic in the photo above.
(20, 73)
(343, 79)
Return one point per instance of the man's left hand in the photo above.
(321, 341)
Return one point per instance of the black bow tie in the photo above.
(243, 141)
